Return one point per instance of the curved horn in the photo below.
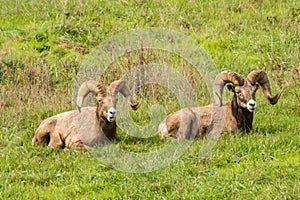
(85, 89)
(260, 77)
(220, 81)
(121, 86)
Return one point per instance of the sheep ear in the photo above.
(101, 92)
(230, 87)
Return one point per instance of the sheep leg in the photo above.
(73, 140)
(42, 134)
(188, 127)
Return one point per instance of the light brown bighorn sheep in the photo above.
(220, 117)
(89, 126)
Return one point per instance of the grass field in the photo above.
(43, 44)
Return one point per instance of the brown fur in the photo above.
(86, 127)
(204, 120)
(218, 118)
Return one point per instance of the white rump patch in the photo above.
(162, 128)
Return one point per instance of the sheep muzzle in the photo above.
(251, 105)
(111, 114)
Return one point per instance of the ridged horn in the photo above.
(85, 88)
(260, 77)
(121, 86)
(220, 81)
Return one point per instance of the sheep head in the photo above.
(106, 97)
(244, 88)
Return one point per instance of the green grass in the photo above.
(43, 44)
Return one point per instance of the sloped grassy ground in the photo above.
(43, 44)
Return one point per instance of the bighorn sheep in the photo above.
(219, 117)
(86, 127)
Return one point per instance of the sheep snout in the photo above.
(111, 114)
(251, 105)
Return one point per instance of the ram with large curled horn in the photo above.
(87, 126)
(219, 117)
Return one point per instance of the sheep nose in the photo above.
(112, 111)
(252, 104)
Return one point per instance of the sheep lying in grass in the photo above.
(89, 126)
(218, 118)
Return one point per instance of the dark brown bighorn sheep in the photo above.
(220, 117)
(88, 126)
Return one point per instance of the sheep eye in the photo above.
(239, 94)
